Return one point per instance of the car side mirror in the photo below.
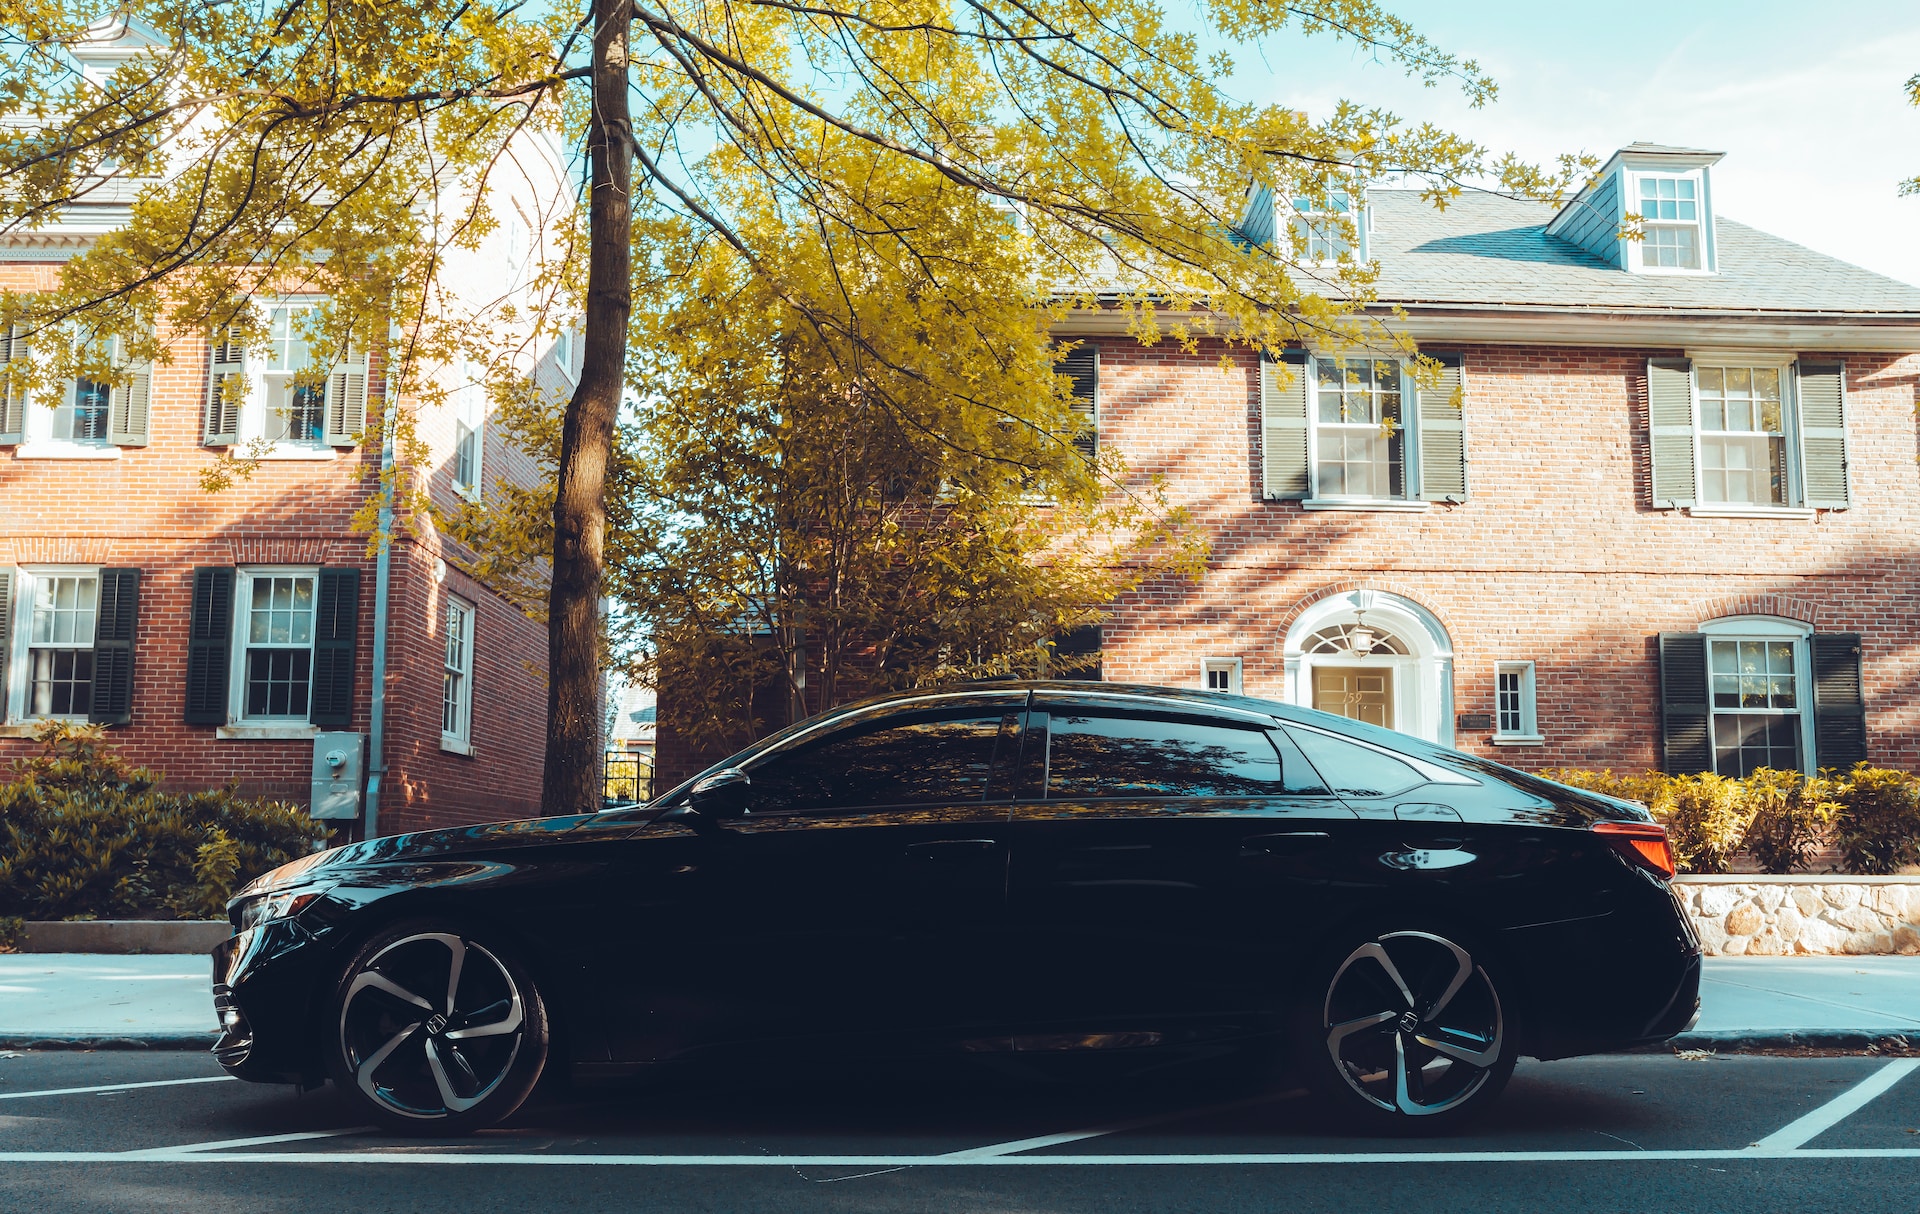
(721, 795)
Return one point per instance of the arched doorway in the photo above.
(1373, 657)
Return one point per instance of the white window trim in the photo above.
(1529, 732)
(252, 425)
(239, 725)
(1357, 213)
(565, 345)
(469, 404)
(1785, 364)
(1703, 226)
(37, 440)
(461, 740)
(1409, 443)
(19, 663)
(1232, 666)
(1768, 628)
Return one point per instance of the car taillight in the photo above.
(1643, 843)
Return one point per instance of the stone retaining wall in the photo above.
(1790, 916)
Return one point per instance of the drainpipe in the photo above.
(382, 573)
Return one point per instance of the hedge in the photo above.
(1871, 815)
(86, 835)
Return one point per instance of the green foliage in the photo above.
(1791, 817)
(1779, 818)
(1878, 826)
(84, 834)
(11, 927)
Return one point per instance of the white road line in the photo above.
(890, 1162)
(116, 1087)
(1138, 1123)
(1846, 1104)
(264, 1141)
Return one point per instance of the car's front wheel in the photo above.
(433, 1031)
(1411, 1034)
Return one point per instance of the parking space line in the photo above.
(263, 1141)
(117, 1087)
(892, 1162)
(1804, 1130)
(1138, 1123)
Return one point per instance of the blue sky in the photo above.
(1805, 99)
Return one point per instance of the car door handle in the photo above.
(1284, 843)
(950, 849)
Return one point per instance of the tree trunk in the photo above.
(572, 780)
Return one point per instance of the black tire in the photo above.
(1408, 1032)
(424, 1050)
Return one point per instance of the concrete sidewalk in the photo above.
(1753, 1002)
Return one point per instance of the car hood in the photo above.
(431, 845)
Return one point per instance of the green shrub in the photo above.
(84, 834)
(1877, 828)
(1780, 818)
(1790, 816)
(1705, 815)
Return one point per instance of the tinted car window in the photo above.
(1091, 756)
(942, 759)
(1355, 770)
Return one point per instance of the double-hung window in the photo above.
(62, 613)
(1756, 704)
(1747, 432)
(1221, 674)
(1669, 209)
(89, 416)
(294, 388)
(1359, 447)
(456, 696)
(469, 420)
(1743, 435)
(273, 640)
(278, 394)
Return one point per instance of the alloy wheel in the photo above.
(1413, 1025)
(431, 1025)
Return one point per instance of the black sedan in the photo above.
(1015, 869)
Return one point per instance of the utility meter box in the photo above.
(336, 774)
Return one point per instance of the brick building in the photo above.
(1659, 511)
(222, 633)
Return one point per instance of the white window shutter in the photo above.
(130, 404)
(226, 386)
(1823, 433)
(1670, 423)
(13, 401)
(1442, 434)
(1283, 426)
(347, 400)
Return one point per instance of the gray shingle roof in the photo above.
(1485, 249)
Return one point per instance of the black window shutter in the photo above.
(1082, 365)
(335, 623)
(209, 646)
(1686, 734)
(1839, 701)
(113, 632)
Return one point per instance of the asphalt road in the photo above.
(78, 1131)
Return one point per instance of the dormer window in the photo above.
(1322, 227)
(1670, 214)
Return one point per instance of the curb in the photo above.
(1760, 1041)
(114, 1041)
(1725, 1041)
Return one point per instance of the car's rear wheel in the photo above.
(1411, 1034)
(433, 1031)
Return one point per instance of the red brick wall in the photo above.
(1556, 557)
(147, 510)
